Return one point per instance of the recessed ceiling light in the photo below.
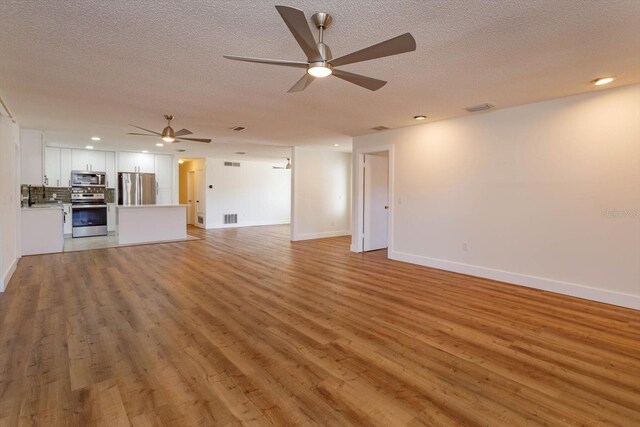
(336, 145)
(603, 80)
(89, 147)
(420, 117)
(145, 151)
(159, 144)
(241, 152)
(180, 161)
(95, 138)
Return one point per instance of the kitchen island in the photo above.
(151, 223)
(42, 229)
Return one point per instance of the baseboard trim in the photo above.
(7, 276)
(321, 235)
(565, 288)
(246, 224)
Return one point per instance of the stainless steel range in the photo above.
(88, 208)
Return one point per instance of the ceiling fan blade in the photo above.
(183, 132)
(297, 24)
(155, 133)
(142, 134)
(194, 139)
(401, 44)
(365, 82)
(302, 84)
(284, 63)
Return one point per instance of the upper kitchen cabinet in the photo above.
(136, 162)
(65, 167)
(110, 158)
(52, 166)
(31, 157)
(88, 160)
(164, 178)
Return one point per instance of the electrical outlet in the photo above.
(465, 246)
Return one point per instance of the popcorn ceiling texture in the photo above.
(75, 68)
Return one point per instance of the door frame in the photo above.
(358, 212)
(191, 211)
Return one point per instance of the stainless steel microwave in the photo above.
(88, 179)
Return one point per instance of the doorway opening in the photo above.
(375, 201)
(191, 192)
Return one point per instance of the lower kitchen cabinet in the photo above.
(68, 222)
(112, 217)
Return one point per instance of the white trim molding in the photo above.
(321, 235)
(358, 212)
(7, 276)
(550, 285)
(245, 224)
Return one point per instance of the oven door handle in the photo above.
(89, 207)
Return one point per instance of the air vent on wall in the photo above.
(234, 164)
(481, 107)
(238, 128)
(380, 128)
(200, 219)
(230, 218)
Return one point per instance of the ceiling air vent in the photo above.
(380, 128)
(238, 128)
(230, 218)
(233, 164)
(481, 107)
(181, 151)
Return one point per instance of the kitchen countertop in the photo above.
(149, 206)
(41, 207)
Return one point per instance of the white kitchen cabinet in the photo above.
(52, 166)
(112, 217)
(41, 230)
(136, 162)
(88, 160)
(164, 178)
(31, 157)
(68, 224)
(65, 167)
(110, 169)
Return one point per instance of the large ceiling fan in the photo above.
(168, 135)
(319, 61)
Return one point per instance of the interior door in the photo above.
(376, 201)
(191, 200)
(199, 198)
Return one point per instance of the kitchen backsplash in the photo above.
(41, 194)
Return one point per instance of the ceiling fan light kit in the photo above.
(320, 62)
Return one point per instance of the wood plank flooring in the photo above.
(245, 327)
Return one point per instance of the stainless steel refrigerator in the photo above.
(136, 188)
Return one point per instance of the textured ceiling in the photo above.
(79, 68)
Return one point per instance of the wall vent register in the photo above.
(230, 218)
(233, 164)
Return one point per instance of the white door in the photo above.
(97, 162)
(80, 160)
(199, 197)
(191, 201)
(376, 201)
(52, 166)
(127, 162)
(145, 163)
(110, 169)
(65, 168)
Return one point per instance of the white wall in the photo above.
(321, 193)
(259, 194)
(9, 199)
(546, 195)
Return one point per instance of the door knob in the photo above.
(386, 206)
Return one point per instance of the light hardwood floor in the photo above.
(244, 327)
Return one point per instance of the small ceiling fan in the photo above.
(168, 135)
(288, 166)
(320, 62)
